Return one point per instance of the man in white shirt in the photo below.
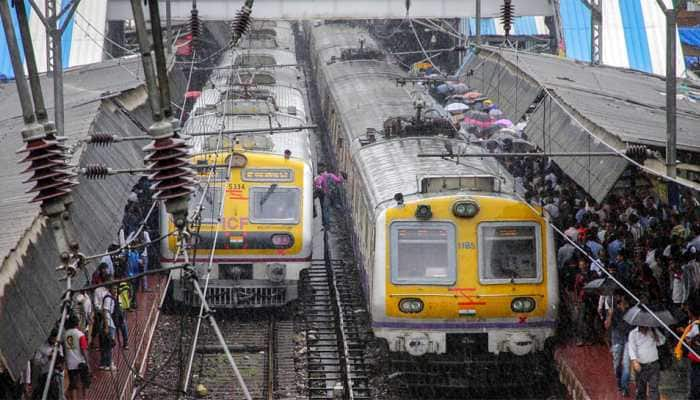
(75, 348)
(108, 330)
(644, 358)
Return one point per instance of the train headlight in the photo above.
(465, 209)
(282, 240)
(411, 306)
(276, 272)
(423, 211)
(238, 160)
(522, 304)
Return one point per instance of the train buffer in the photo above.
(587, 374)
(120, 384)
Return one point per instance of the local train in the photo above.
(450, 257)
(255, 185)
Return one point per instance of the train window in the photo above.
(423, 253)
(211, 204)
(274, 205)
(509, 252)
(251, 60)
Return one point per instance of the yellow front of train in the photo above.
(454, 271)
(261, 239)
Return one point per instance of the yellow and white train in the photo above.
(256, 220)
(450, 257)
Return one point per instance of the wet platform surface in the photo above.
(119, 384)
(586, 372)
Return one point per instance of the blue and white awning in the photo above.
(634, 34)
(83, 39)
(522, 26)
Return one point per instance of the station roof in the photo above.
(84, 89)
(620, 106)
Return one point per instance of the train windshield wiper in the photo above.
(267, 195)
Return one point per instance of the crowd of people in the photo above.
(634, 241)
(97, 317)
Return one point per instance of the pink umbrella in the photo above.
(472, 95)
(505, 122)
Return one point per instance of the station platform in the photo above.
(587, 374)
(119, 384)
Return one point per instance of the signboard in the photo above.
(267, 175)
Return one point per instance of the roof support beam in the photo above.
(218, 10)
(596, 30)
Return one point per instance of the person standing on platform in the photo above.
(644, 355)
(42, 361)
(133, 262)
(108, 333)
(75, 348)
(691, 336)
(122, 329)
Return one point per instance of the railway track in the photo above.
(335, 343)
(262, 347)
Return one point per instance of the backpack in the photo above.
(117, 313)
(132, 261)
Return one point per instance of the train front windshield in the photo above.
(509, 253)
(275, 204)
(423, 253)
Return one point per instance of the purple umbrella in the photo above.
(504, 122)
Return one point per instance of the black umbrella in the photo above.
(603, 286)
(638, 316)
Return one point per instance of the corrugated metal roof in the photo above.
(618, 105)
(84, 89)
(83, 39)
(31, 291)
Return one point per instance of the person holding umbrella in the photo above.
(642, 345)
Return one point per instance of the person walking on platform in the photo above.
(75, 348)
(619, 333)
(644, 355)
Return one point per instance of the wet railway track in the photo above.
(335, 343)
(262, 347)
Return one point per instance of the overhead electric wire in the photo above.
(410, 21)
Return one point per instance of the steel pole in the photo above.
(169, 25)
(478, 22)
(671, 92)
(34, 82)
(54, 30)
(161, 67)
(22, 87)
(147, 60)
(54, 353)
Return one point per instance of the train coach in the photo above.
(255, 185)
(451, 258)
